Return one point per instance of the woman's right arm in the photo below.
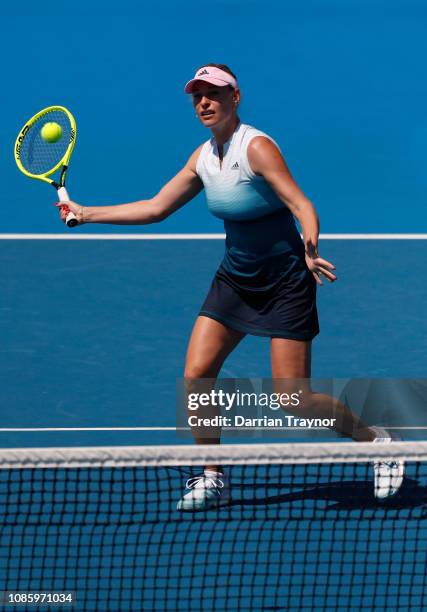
(183, 187)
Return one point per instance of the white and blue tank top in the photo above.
(259, 226)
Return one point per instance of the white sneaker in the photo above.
(388, 473)
(207, 491)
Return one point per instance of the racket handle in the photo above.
(71, 219)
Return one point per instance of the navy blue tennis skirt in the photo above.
(281, 305)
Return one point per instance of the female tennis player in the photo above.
(266, 283)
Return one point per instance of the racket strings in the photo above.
(39, 156)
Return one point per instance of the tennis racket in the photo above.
(39, 158)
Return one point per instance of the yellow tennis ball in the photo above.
(51, 132)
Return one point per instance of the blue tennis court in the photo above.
(95, 331)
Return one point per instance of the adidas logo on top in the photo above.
(235, 166)
(202, 72)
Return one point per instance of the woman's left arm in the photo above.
(266, 160)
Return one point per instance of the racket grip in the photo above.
(71, 219)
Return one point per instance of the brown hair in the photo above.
(221, 67)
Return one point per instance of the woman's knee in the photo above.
(202, 368)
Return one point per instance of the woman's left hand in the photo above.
(319, 266)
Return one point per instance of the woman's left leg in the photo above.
(291, 359)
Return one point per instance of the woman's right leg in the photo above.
(210, 344)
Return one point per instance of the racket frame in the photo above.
(63, 162)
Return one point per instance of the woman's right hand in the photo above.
(67, 207)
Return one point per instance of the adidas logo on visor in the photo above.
(202, 72)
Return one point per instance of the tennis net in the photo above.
(302, 531)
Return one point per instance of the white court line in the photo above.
(112, 236)
(48, 429)
(196, 236)
(42, 429)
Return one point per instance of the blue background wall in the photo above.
(341, 86)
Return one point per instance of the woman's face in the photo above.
(214, 105)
